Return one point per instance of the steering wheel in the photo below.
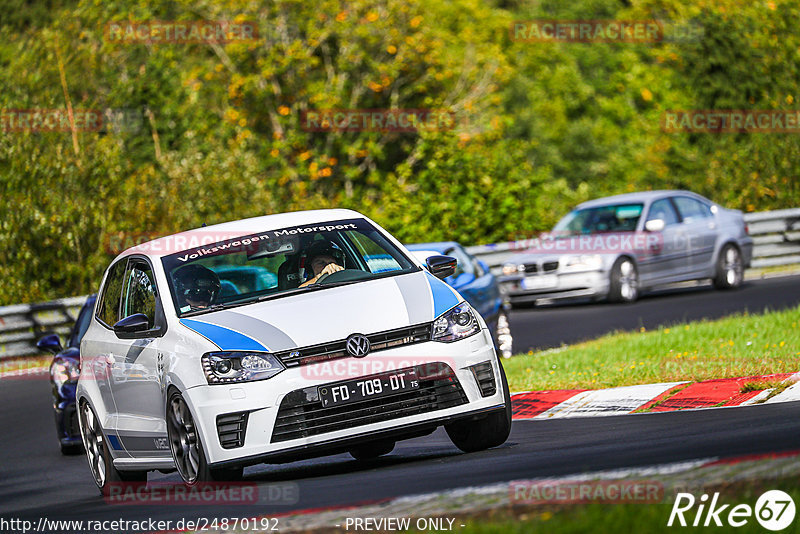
(322, 277)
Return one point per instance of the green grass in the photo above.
(740, 345)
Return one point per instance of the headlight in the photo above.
(64, 372)
(231, 367)
(455, 324)
(510, 268)
(589, 262)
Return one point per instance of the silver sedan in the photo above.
(617, 247)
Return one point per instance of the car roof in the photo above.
(164, 246)
(641, 196)
(439, 246)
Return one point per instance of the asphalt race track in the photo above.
(37, 481)
(556, 324)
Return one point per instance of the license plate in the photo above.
(361, 389)
(544, 281)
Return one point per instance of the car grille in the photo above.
(485, 378)
(531, 268)
(301, 413)
(231, 428)
(549, 266)
(336, 349)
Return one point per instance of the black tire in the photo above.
(101, 463)
(187, 448)
(730, 269)
(71, 450)
(490, 431)
(372, 450)
(623, 281)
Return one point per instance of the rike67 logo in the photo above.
(774, 510)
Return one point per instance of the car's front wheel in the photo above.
(623, 281)
(97, 453)
(490, 431)
(187, 449)
(730, 270)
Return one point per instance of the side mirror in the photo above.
(654, 225)
(133, 324)
(50, 343)
(441, 266)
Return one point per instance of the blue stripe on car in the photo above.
(114, 441)
(224, 338)
(443, 296)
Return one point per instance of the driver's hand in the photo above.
(330, 269)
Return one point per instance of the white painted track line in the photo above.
(612, 401)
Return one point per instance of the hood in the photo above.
(328, 315)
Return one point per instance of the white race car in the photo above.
(345, 344)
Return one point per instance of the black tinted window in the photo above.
(108, 310)
(140, 292)
(691, 209)
(662, 209)
(81, 325)
(464, 265)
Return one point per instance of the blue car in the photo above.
(64, 372)
(477, 285)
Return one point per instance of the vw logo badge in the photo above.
(358, 345)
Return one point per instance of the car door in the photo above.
(666, 257)
(135, 372)
(701, 231)
(97, 349)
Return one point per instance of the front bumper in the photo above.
(593, 284)
(261, 402)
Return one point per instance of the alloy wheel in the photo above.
(94, 443)
(628, 281)
(732, 266)
(183, 439)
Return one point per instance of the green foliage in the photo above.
(218, 133)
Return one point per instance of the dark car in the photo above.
(477, 285)
(64, 372)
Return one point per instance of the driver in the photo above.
(197, 286)
(323, 258)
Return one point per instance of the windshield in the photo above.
(277, 263)
(602, 219)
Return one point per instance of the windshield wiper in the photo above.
(305, 289)
(216, 307)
